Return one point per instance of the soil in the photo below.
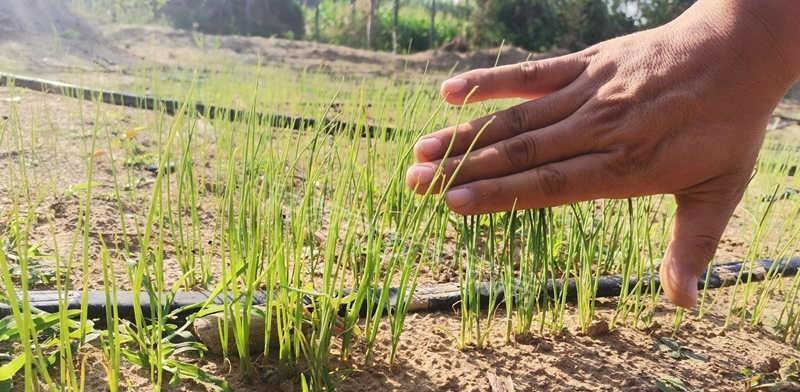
(621, 359)
(607, 359)
(624, 358)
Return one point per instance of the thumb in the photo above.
(699, 224)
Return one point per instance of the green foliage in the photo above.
(657, 12)
(413, 30)
(533, 24)
(341, 24)
(545, 24)
(585, 22)
(244, 17)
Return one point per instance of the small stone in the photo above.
(598, 328)
(207, 330)
(545, 347)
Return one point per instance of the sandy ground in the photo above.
(620, 359)
(625, 359)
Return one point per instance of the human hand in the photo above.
(680, 109)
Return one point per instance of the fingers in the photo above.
(699, 224)
(573, 180)
(504, 124)
(529, 79)
(560, 141)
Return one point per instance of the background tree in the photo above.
(658, 12)
(395, 24)
(545, 24)
(245, 17)
(532, 24)
(432, 29)
(585, 22)
(373, 6)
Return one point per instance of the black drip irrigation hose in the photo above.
(172, 106)
(430, 298)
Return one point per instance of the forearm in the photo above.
(780, 18)
(764, 32)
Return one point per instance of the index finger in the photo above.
(528, 79)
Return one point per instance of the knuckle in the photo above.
(520, 151)
(609, 119)
(610, 112)
(455, 167)
(516, 119)
(528, 71)
(626, 162)
(551, 181)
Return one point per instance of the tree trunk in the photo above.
(114, 6)
(432, 30)
(352, 14)
(395, 20)
(373, 4)
(316, 22)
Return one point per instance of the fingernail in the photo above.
(428, 148)
(454, 86)
(419, 175)
(458, 197)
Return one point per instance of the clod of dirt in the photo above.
(767, 365)
(598, 328)
(528, 339)
(544, 347)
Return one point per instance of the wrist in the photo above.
(765, 32)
